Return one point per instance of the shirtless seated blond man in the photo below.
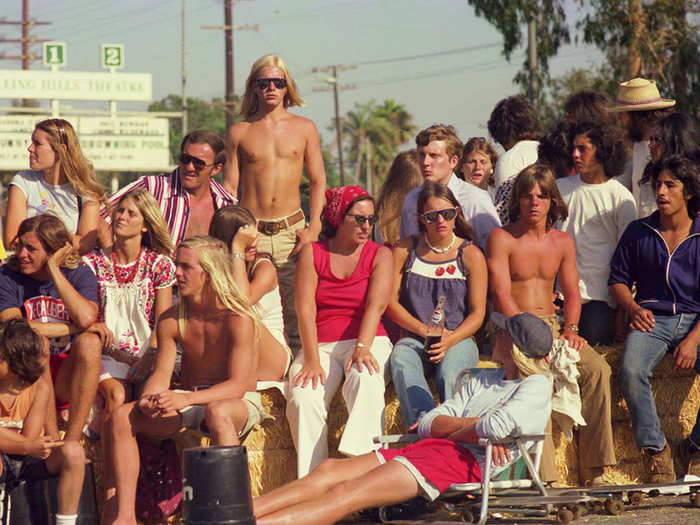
(221, 363)
(524, 258)
(267, 154)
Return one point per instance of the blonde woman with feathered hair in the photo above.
(60, 181)
(135, 279)
(250, 103)
(223, 357)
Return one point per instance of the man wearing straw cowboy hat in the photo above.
(640, 106)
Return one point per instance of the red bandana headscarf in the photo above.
(338, 200)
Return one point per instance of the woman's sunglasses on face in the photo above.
(431, 216)
(361, 219)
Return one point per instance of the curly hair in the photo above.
(684, 170)
(555, 149)
(22, 349)
(640, 121)
(586, 105)
(444, 132)
(609, 144)
(514, 119)
(540, 174)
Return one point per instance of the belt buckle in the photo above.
(270, 228)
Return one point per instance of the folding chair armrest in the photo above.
(388, 439)
(525, 437)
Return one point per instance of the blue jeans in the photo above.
(643, 351)
(597, 323)
(409, 364)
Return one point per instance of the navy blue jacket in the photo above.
(667, 283)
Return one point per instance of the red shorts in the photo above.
(441, 461)
(55, 362)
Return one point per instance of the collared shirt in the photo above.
(476, 206)
(173, 199)
(667, 282)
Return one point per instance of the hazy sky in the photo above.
(456, 87)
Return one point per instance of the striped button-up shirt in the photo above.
(173, 199)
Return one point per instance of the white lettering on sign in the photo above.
(75, 85)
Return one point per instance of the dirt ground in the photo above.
(672, 510)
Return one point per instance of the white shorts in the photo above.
(112, 369)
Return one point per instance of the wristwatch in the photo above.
(573, 327)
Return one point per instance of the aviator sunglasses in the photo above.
(361, 219)
(264, 83)
(431, 216)
(199, 164)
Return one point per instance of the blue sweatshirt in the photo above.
(668, 283)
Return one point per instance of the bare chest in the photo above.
(201, 212)
(529, 262)
(265, 142)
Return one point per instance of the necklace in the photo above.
(125, 276)
(440, 250)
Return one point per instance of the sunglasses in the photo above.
(199, 164)
(361, 219)
(264, 83)
(431, 216)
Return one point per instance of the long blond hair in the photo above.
(73, 164)
(157, 237)
(216, 263)
(250, 104)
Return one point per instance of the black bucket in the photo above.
(26, 504)
(217, 487)
(87, 508)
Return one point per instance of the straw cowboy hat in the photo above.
(640, 94)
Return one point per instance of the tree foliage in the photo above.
(373, 134)
(511, 17)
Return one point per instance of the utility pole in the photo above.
(228, 29)
(26, 39)
(532, 59)
(183, 67)
(338, 123)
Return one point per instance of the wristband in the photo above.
(238, 256)
(361, 344)
(573, 327)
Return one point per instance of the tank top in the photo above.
(424, 281)
(340, 303)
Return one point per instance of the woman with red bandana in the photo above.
(342, 287)
(444, 260)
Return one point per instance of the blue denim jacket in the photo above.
(667, 283)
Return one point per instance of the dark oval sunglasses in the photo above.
(199, 164)
(361, 219)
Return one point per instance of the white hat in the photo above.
(640, 94)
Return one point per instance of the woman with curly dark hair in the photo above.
(600, 208)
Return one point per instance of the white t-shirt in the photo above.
(42, 197)
(512, 162)
(598, 216)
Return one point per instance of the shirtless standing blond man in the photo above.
(524, 258)
(221, 363)
(267, 153)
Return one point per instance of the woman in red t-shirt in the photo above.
(342, 288)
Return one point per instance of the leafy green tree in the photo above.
(374, 134)
(511, 18)
(200, 115)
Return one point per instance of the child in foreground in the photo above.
(25, 397)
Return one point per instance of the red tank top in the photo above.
(340, 303)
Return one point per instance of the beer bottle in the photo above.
(437, 323)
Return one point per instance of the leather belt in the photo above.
(274, 227)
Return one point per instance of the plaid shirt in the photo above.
(173, 200)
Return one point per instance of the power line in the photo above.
(428, 55)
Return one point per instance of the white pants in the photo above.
(307, 408)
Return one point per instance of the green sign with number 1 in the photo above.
(112, 56)
(54, 54)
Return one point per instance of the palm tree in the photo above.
(375, 134)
